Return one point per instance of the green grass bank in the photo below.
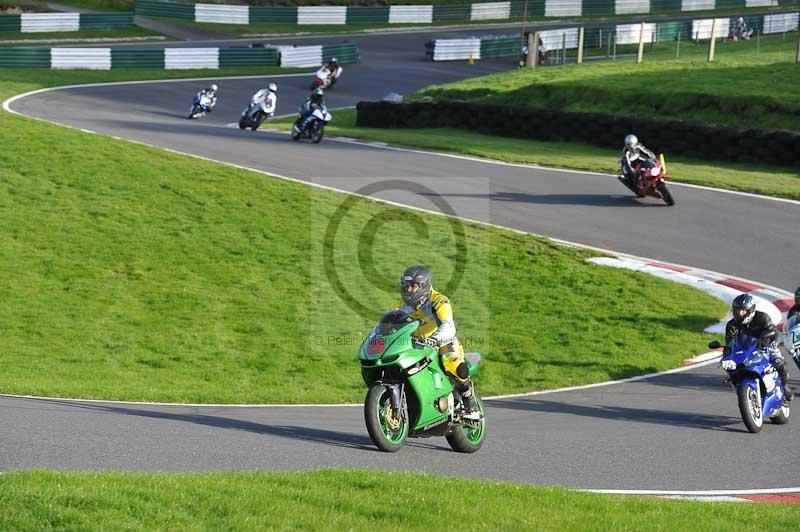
(134, 273)
(344, 500)
(750, 84)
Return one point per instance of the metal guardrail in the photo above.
(567, 38)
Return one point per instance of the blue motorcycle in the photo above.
(756, 381)
(201, 105)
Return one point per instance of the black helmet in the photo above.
(416, 275)
(744, 308)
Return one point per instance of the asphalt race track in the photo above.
(679, 431)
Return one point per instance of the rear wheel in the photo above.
(470, 435)
(782, 418)
(666, 194)
(387, 427)
(750, 408)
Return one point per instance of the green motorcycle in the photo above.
(409, 393)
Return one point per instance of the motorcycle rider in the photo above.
(211, 93)
(632, 152)
(746, 319)
(795, 310)
(740, 30)
(268, 97)
(334, 70)
(438, 328)
(315, 100)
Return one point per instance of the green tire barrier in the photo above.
(177, 58)
(427, 14)
(57, 22)
(675, 137)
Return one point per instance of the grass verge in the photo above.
(343, 500)
(120, 34)
(134, 273)
(750, 84)
(768, 180)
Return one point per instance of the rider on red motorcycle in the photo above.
(633, 152)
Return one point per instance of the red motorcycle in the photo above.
(648, 179)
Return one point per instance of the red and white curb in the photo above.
(774, 301)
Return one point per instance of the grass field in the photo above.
(748, 85)
(132, 273)
(768, 180)
(345, 500)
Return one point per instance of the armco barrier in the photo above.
(671, 137)
(427, 14)
(510, 45)
(177, 58)
(58, 22)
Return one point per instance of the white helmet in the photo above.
(333, 60)
(214, 87)
(631, 141)
(272, 87)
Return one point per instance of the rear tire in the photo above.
(750, 408)
(384, 437)
(666, 195)
(469, 438)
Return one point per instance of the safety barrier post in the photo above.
(797, 59)
(564, 48)
(533, 50)
(640, 55)
(713, 44)
(678, 46)
(580, 45)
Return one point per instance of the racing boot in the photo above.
(471, 408)
(784, 373)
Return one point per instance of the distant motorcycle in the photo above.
(791, 338)
(311, 126)
(201, 105)
(253, 115)
(648, 180)
(757, 383)
(325, 79)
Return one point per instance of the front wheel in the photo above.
(318, 133)
(750, 408)
(666, 194)
(387, 427)
(782, 417)
(242, 123)
(470, 435)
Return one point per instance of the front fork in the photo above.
(397, 403)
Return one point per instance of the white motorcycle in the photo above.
(324, 79)
(254, 114)
(311, 126)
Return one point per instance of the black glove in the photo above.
(764, 343)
